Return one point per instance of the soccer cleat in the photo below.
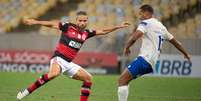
(22, 94)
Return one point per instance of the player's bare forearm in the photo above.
(52, 24)
(48, 23)
(132, 39)
(135, 36)
(180, 47)
(111, 28)
(130, 42)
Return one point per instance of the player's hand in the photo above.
(127, 51)
(188, 57)
(124, 24)
(29, 21)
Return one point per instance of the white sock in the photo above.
(22, 94)
(26, 92)
(123, 93)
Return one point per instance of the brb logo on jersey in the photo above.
(173, 67)
(74, 44)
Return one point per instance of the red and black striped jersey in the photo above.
(71, 40)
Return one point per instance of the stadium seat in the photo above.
(12, 11)
(102, 13)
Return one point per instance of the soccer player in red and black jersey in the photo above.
(72, 38)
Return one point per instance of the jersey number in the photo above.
(159, 43)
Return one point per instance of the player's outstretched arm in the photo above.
(178, 45)
(111, 29)
(52, 24)
(132, 39)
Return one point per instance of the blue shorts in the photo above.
(139, 67)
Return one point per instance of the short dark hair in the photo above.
(147, 8)
(81, 13)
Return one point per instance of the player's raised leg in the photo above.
(53, 72)
(84, 76)
(123, 87)
(134, 70)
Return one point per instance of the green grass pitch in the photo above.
(104, 88)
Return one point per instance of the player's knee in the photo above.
(52, 75)
(122, 81)
(88, 78)
(54, 71)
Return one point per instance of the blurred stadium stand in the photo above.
(12, 11)
(183, 19)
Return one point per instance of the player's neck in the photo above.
(81, 29)
(148, 17)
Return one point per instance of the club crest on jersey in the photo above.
(84, 37)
